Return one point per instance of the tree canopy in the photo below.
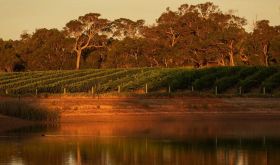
(193, 35)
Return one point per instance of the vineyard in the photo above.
(218, 80)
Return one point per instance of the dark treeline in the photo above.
(194, 35)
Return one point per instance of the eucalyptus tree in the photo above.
(127, 47)
(230, 36)
(210, 36)
(86, 31)
(8, 56)
(262, 38)
(275, 47)
(199, 32)
(163, 38)
(123, 28)
(45, 49)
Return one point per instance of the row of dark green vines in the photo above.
(223, 79)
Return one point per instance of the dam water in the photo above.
(198, 142)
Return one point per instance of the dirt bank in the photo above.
(91, 109)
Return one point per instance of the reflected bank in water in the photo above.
(127, 143)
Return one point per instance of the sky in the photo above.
(18, 16)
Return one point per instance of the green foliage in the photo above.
(148, 77)
(86, 85)
(208, 80)
(175, 78)
(272, 83)
(113, 85)
(9, 78)
(108, 80)
(54, 84)
(231, 80)
(256, 79)
(5, 76)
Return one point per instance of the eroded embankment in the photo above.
(90, 109)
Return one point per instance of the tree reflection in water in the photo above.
(68, 144)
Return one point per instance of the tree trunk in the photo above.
(232, 63)
(8, 69)
(78, 48)
(173, 37)
(173, 42)
(266, 61)
(165, 62)
(135, 56)
(78, 62)
(221, 62)
(156, 62)
(244, 59)
(231, 54)
(265, 54)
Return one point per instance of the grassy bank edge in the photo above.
(21, 110)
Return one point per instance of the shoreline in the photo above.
(170, 117)
(9, 123)
(81, 109)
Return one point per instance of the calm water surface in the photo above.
(144, 143)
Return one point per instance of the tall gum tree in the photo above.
(230, 35)
(123, 27)
(84, 30)
(8, 56)
(198, 32)
(164, 37)
(45, 49)
(129, 36)
(263, 35)
(210, 35)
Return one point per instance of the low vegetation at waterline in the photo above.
(220, 79)
(24, 111)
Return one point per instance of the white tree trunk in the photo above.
(78, 61)
(231, 54)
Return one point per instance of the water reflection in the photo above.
(146, 143)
